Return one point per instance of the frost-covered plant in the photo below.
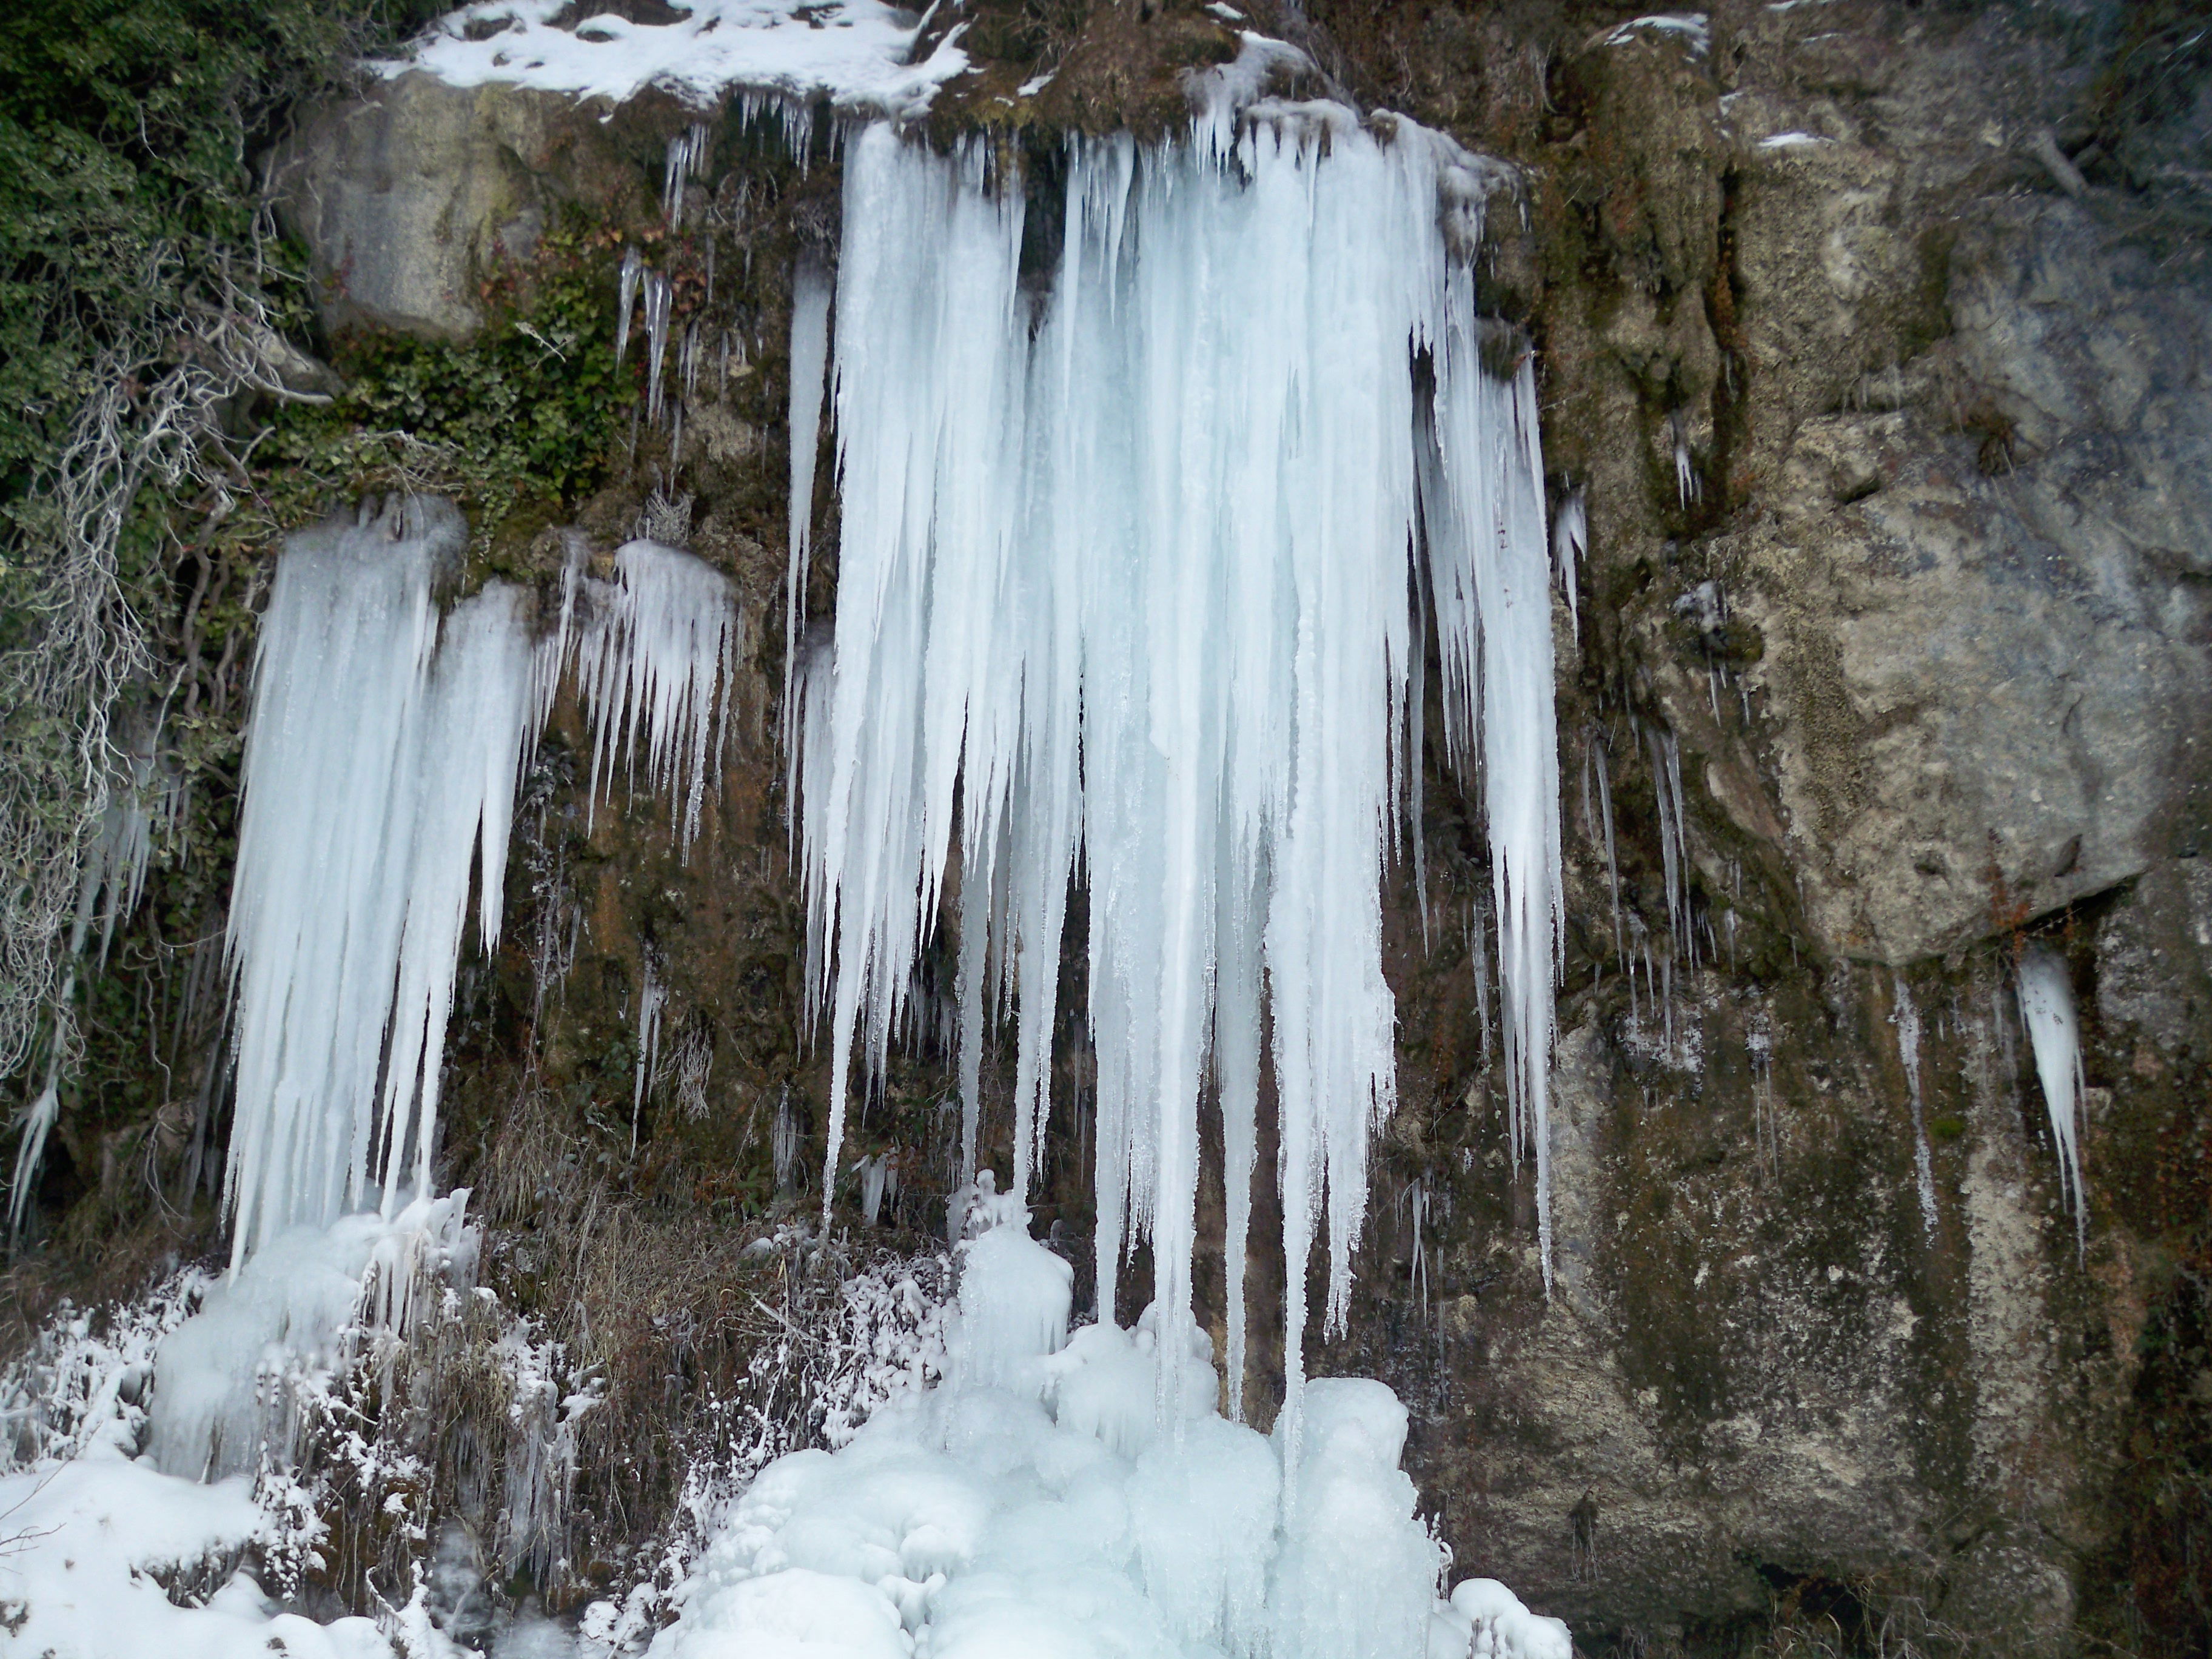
(84, 1379)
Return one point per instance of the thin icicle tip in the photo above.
(2054, 1032)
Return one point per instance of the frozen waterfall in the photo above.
(382, 760)
(1124, 590)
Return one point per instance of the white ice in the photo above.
(1161, 519)
(2054, 1031)
(228, 1383)
(1032, 1507)
(134, 1446)
(382, 760)
(656, 660)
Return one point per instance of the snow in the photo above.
(1161, 517)
(976, 1520)
(84, 1540)
(1499, 1627)
(853, 52)
(228, 1383)
(1792, 141)
(2054, 1031)
(102, 1534)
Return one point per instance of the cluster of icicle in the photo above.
(141, 791)
(382, 756)
(644, 294)
(1126, 591)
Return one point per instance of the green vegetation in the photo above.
(155, 441)
(514, 423)
(134, 306)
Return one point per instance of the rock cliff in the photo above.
(1874, 348)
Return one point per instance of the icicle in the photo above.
(1599, 753)
(1907, 1017)
(656, 664)
(686, 150)
(1477, 961)
(810, 357)
(1666, 753)
(652, 996)
(1489, 570)
(783, 1143)
(116, 863)
(1686, 475)
(35, 1123)
(382, 753)
(1417, 665)
(656, 336)
(2054, 1031)
(633, 270)
(1569, 545)
(1055, 544)
(879, 1181)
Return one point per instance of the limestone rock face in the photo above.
(1981, 593)
(409, 197)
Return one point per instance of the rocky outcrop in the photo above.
(1875, 337)
(409, 198)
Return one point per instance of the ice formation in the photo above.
(1035, 1504)
(1123, 589)
(382, 760)
(655, 662)
(2054, 1031)
(104, 1537)
(227, 1382)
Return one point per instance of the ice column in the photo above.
(380, 765)
(1158, 520)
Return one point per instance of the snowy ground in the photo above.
(1046, 1495)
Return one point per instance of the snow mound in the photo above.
(1074, 1497)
